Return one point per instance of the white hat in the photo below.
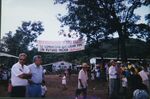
(118, 61)
(85, 65)
(111, 61)
(128, 62)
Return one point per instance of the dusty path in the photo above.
(96, 90)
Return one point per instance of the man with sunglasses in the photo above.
(19, 75)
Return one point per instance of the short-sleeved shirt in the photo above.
(16, 70)
(64, 80)
(97, 73)
(84, 77)
(112, 72)
(143, 75)
(124, 82)
(37, 73)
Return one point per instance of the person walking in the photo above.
(82, 81)
(34, 87)
(19, 75)
(64, 81)
(112, 79)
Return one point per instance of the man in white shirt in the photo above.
(144, 77)
(112, 78)
(19, 75)
(82, 81)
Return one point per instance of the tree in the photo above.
(2, 46)
(24, 37)
(98, 19)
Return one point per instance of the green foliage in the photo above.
(98, 19)
(135, 48)
(24, 37)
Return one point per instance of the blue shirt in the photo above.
(37, 73)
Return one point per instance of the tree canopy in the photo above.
(100, 19)
(24, 37)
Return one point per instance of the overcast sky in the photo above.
(16, 11)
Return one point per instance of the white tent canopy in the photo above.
(61, 65)
(47, 64)
(7, 55)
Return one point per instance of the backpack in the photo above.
(140, 94)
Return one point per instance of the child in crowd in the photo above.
(124, 85)
(64, 81)
(44, 89)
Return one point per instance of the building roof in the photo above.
(7, 55)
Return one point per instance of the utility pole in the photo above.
(0, 17)
(0, 23)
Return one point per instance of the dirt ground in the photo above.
(96, 89)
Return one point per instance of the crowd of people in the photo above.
(125, 80)
(29, 81)
(128, 80)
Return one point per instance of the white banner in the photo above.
(61, 46)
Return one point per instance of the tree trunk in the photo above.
(123, 48)
(118, 49)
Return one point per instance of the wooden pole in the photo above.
(0, 17)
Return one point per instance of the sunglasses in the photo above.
(23, 59)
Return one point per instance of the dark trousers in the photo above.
(124, 93)
(118, 85)
(18, 91)
(83, 91)
(112, 86)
